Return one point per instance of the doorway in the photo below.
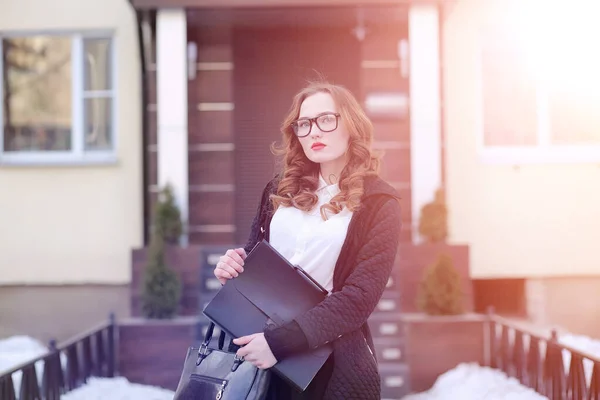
(271, 65)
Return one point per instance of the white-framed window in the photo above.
(58, 98)
(540, 88)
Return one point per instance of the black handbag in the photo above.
(217, 374)
(270, 293)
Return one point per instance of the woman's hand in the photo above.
(256, 350)
(230, 265)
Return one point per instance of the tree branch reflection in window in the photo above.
(37, 92)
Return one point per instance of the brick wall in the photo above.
(153, 352)
(435, 345)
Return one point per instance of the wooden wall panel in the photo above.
(211, 86)
(216, 238)
(211, 208)
(397, 130)
(381, 42)
(210, 138)
(395, 166)
(210, 127)
(211, 167)
(380, 73)
(150, 151)
(383, 80)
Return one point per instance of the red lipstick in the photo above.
(317, 146)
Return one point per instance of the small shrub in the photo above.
(162, 288)
(433, 224)
(167, 217)
(440, 291)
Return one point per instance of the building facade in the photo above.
(130, 96)
(218, 92)
(522, 140)
(71, 172)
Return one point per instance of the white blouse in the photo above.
(305, 239)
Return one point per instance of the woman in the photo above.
(330, 213)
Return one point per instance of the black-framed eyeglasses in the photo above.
(327, 122)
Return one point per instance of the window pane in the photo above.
(37, 93)
(575, 111)
(97, 74)
(509, 95)
(98, 124)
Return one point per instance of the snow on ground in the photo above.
(16, 350)
(466, 381)
(19, 349)
(473, 382)
(117, 389)
(583, 344)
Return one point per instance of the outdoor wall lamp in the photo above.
(403, 57)
(360, 30)
(192, 60)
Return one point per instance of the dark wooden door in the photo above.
(271, 65)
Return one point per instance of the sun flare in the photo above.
(560, 42)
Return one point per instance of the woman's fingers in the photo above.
(233, 259)
(230, 265)
(222, 276)
(228, 269)
(221, 273)
(241, 252)
(222, 281)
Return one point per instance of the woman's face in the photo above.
(327, 140)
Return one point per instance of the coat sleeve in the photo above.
(346, 310)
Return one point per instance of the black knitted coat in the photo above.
(360, 276)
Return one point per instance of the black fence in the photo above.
(541, 362)
(64, 367)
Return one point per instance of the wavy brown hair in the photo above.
(300, 177)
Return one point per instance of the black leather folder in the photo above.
(270, 290)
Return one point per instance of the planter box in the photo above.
(194, 265)
(152, 352)
(412, 261)
(435, 345)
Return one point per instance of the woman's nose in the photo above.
(316, 131)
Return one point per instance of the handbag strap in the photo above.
(204, 351)
(208, 337)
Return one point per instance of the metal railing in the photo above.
(542, 362)
(64, 367)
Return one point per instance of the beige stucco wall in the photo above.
(527, 220)
(557, 302)
(76, 224)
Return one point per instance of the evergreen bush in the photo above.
(440, 291)
(433, 224)
(167, 217)
(161, 292)
(162, 288)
